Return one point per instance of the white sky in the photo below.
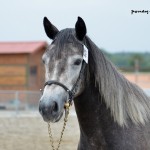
(109, 22)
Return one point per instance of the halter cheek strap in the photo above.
(71, 92)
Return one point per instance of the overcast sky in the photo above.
(110, 23)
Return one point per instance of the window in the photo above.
(33, 70)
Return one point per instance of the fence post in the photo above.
(17, 102)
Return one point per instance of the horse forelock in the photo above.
(63, 39)
(124, 99)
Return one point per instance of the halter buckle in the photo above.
(67, 105)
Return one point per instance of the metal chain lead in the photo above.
(67, 105)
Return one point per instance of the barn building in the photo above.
(21, 67)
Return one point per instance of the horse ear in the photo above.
(80, 29)
(50, 29)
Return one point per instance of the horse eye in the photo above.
(77, 62)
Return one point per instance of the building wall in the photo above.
(14, 59)
(17, 71)
(36, 70)
(13, 71)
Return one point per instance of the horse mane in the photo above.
(124, 99)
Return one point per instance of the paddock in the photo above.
(27, 130)
(22, 130)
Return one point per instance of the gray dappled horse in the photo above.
(113, 113)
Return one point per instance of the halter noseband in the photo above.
(71, 92)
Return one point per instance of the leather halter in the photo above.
(71, 92)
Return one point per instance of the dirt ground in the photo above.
(29, 132)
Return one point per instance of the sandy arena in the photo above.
(28, 131)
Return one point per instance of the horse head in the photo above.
(63, 60)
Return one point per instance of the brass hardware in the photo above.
(67, 105)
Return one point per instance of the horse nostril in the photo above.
(48, 109)
(55, 107)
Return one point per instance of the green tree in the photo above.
(136, 60)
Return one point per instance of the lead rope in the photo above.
(67, 106)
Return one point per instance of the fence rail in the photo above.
(19, 100)
(24, 100)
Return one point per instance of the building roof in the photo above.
(21, 47)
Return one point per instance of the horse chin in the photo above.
(60, 116)
(49, 119)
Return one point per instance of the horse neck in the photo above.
(92, 115)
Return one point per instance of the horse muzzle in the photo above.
(50, 110)
(51, 105)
